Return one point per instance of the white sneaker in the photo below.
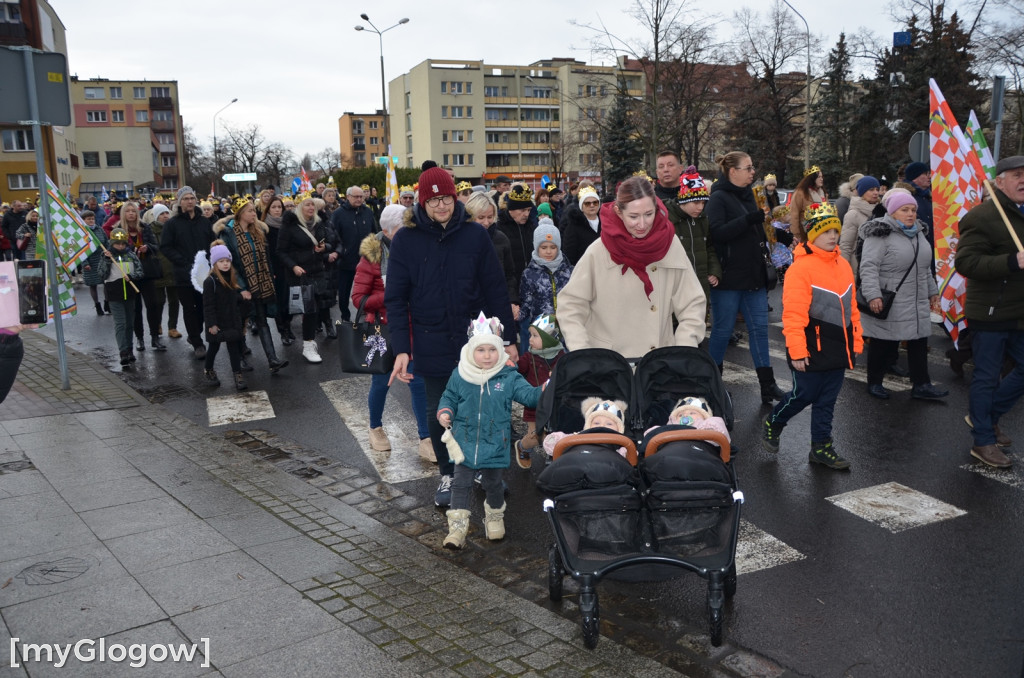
(310, 352)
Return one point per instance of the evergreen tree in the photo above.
(620, 146)
(832, 117)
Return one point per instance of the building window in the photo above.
(408, 99)
(490, 91)
(117, 116)
(138, 92)
(114, 159)
(18, 140)
(458, 159)
(165, 139)
(469, 88)
(91, 159)
(95, 93)
(164, 92)
(115, 93)
(469, 111)
(169, 160)
(444, 111)
(141, 116)
(373, 124)
(373, 141)
(17, 182)
(163, 115)
(95, 116)
(444, 87)
(170, 182)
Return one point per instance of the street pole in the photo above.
(807, 113)
(216, 158)
(383, 91)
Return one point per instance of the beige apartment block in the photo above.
(525, 122)
(361, 138)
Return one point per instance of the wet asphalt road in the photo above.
(939, 599)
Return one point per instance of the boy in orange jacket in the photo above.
(821, 324)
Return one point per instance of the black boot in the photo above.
(245, 346)
(268, 348)
(769, 389)
(329, 329)
(283, 329)
(244, 365)
(99, 308)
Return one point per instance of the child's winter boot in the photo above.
(240, 384)
(823, 453)
(458, 526)
(494, 522)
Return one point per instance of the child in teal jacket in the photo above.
(477, 408)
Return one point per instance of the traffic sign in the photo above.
(383, 159)
(242, 176)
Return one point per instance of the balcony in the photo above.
(161, 125)
(538, 124)
(358, 147)
(168, 148)
(169, 171)
(13, 33)
(161, 104)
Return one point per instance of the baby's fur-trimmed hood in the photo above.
(371, 248)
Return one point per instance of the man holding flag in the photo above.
(991, 257)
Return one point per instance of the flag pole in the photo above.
(1006, 220)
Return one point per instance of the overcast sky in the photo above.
(295, 67)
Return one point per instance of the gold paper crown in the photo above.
(463, 186)
(820, 217)
(406, 189)
(237, 206)
(770, 177)
(365, 187)
(521, 193)
(644, 174)
(813, 170)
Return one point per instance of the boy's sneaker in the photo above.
(823, 453)
(443, 496)
(523, 456)
(770, 435)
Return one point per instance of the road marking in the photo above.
(758, 550)
(402, 462)
(238, 408)
(1005, 476)
(895, 507)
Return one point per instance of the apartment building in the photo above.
(129, 135)
(361, 138)
(35, 24)
(484, 120)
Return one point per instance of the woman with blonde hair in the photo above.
(809, 191)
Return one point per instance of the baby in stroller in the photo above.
(694, 411)
(597, 413)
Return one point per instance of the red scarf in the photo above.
(636, 255)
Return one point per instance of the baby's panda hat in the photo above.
(547, 328)
(690, 402)
(616, 409)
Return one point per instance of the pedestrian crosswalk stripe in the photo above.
(1006, 476)
(401, 463)
(239, 408)
(758, 550)
(895, 507)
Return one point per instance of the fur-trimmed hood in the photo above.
(883, 226)
(846, 190)
(371, 249)
(222, 224)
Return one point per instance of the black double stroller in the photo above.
(672, 502)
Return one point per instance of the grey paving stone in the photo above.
(191, 540)
(64, 476)
(40, 536)
(26, 508)
(210, 498)
(200, 583)
(107, 607)
(261, 622)
(48, 574)
(338, 653)
(86, 497)
(252, 527)
(142, 516)
(297, 558)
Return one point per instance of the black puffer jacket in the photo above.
(577, 233)
(504, 250)
(294, 248)
(520, 238)
(224, 308)
(182, 237)
(737, 229)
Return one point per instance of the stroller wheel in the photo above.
(555, 574)
(591, 620)
(730, 581)
(715, 622)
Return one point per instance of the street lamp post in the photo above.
(807, 113)
(383, 93)
(216, 158)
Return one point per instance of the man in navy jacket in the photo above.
(442, 272)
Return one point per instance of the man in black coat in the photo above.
(353, 221)
(12, 221)
(186, 233)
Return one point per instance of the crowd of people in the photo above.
(672, 260)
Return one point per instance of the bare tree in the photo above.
(1001, 52)
(327, 161)
(276, 164)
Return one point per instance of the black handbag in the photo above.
(888, 297)
(364, 347)
(771, 275)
